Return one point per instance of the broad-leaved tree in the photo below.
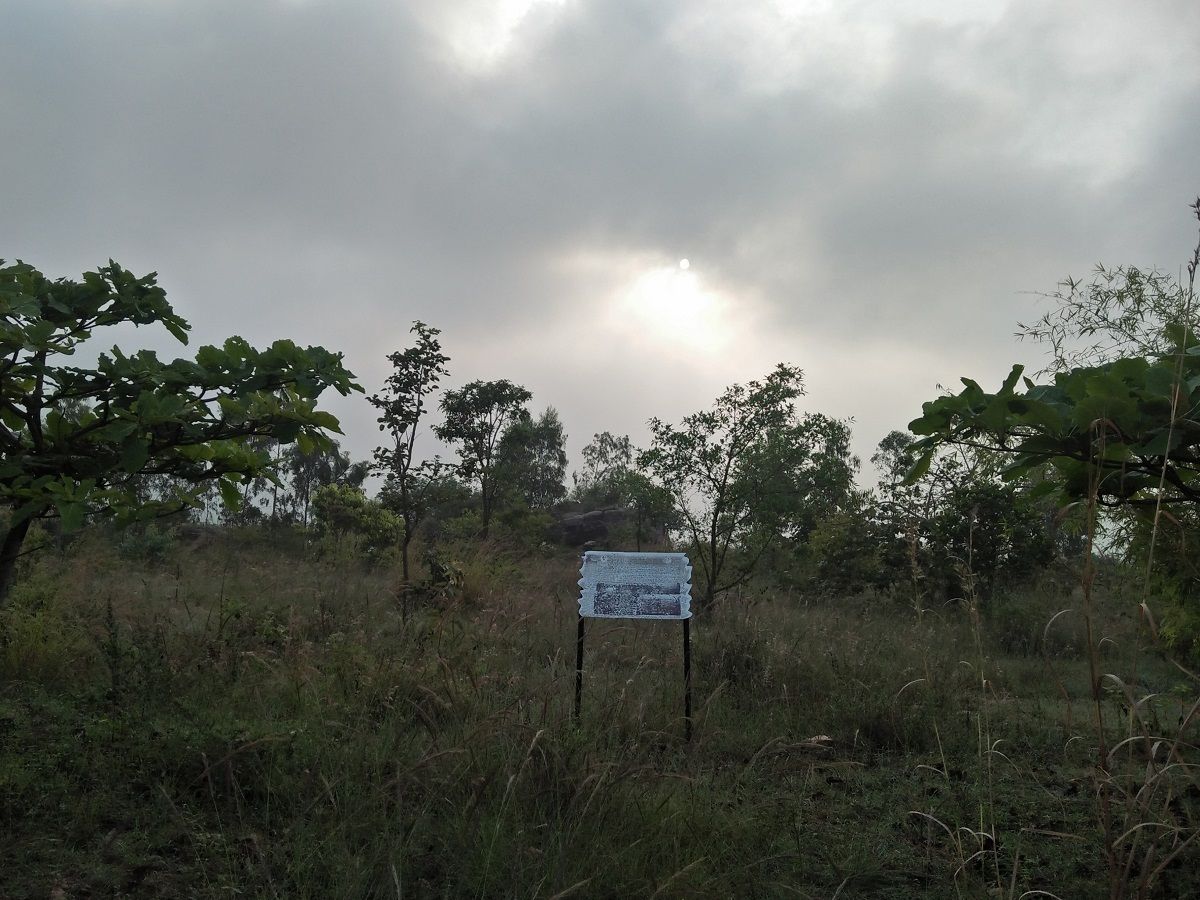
(476, 417)
(416, 372)
(75, 438)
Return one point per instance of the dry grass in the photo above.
(254, 717)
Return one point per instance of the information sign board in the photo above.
(635, 585)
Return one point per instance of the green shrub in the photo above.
(39, 640)
(341, 511)
(146, 543)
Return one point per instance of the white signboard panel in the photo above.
(635, 585)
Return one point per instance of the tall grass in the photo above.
(255, 719)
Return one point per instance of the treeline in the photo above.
(752, 487)
(986, 492)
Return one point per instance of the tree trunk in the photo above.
(485, 506)
(407, 515)
(712, 570)
(10, 549)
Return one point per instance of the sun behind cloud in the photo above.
(672, 305)
(480, 34)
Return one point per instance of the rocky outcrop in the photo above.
(593, 526)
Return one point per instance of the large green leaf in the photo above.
(231, 495)
(72, 514)
(134, 455)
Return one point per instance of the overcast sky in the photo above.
(868, 190)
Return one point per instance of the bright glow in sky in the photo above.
(480, 34)
(672, 306)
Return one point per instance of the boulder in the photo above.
(593, 526)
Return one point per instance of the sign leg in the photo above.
(687, 679)
(579, 666)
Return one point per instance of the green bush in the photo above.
(1020, 626)
(465, 527)
(147, 543)
(843, 555)
(39, 640)
(341, 511)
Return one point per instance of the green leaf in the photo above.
(1166, 441)
(12, 419)
(994, 416)
(326, 420)
(1010, 382)
(72, 515)
(134, 456)
(178, 329)
(197, 452)
(1046, 488)
(232, 409)
(920, 467)
(231, 494)
(115, 431)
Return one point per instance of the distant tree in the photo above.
(803, 476)
(960, 526)
(416, 373)
(724, 468)
(609, 478)
(898, 512)
(893, 458)
(821, 481)
(654, 509)
(987, 531)
(607, 459)
(531, 460)
(440, 497)
(843, 553)
(283, 492)
(476, 416)
(75, 438)
(309, 469)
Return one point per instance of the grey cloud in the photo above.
(329, 172)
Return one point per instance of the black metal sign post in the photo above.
(687, 680)
(687, 674)
(579, 667)
(619, 585)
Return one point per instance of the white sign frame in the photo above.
(625, 585)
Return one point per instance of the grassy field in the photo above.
(250, 718)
